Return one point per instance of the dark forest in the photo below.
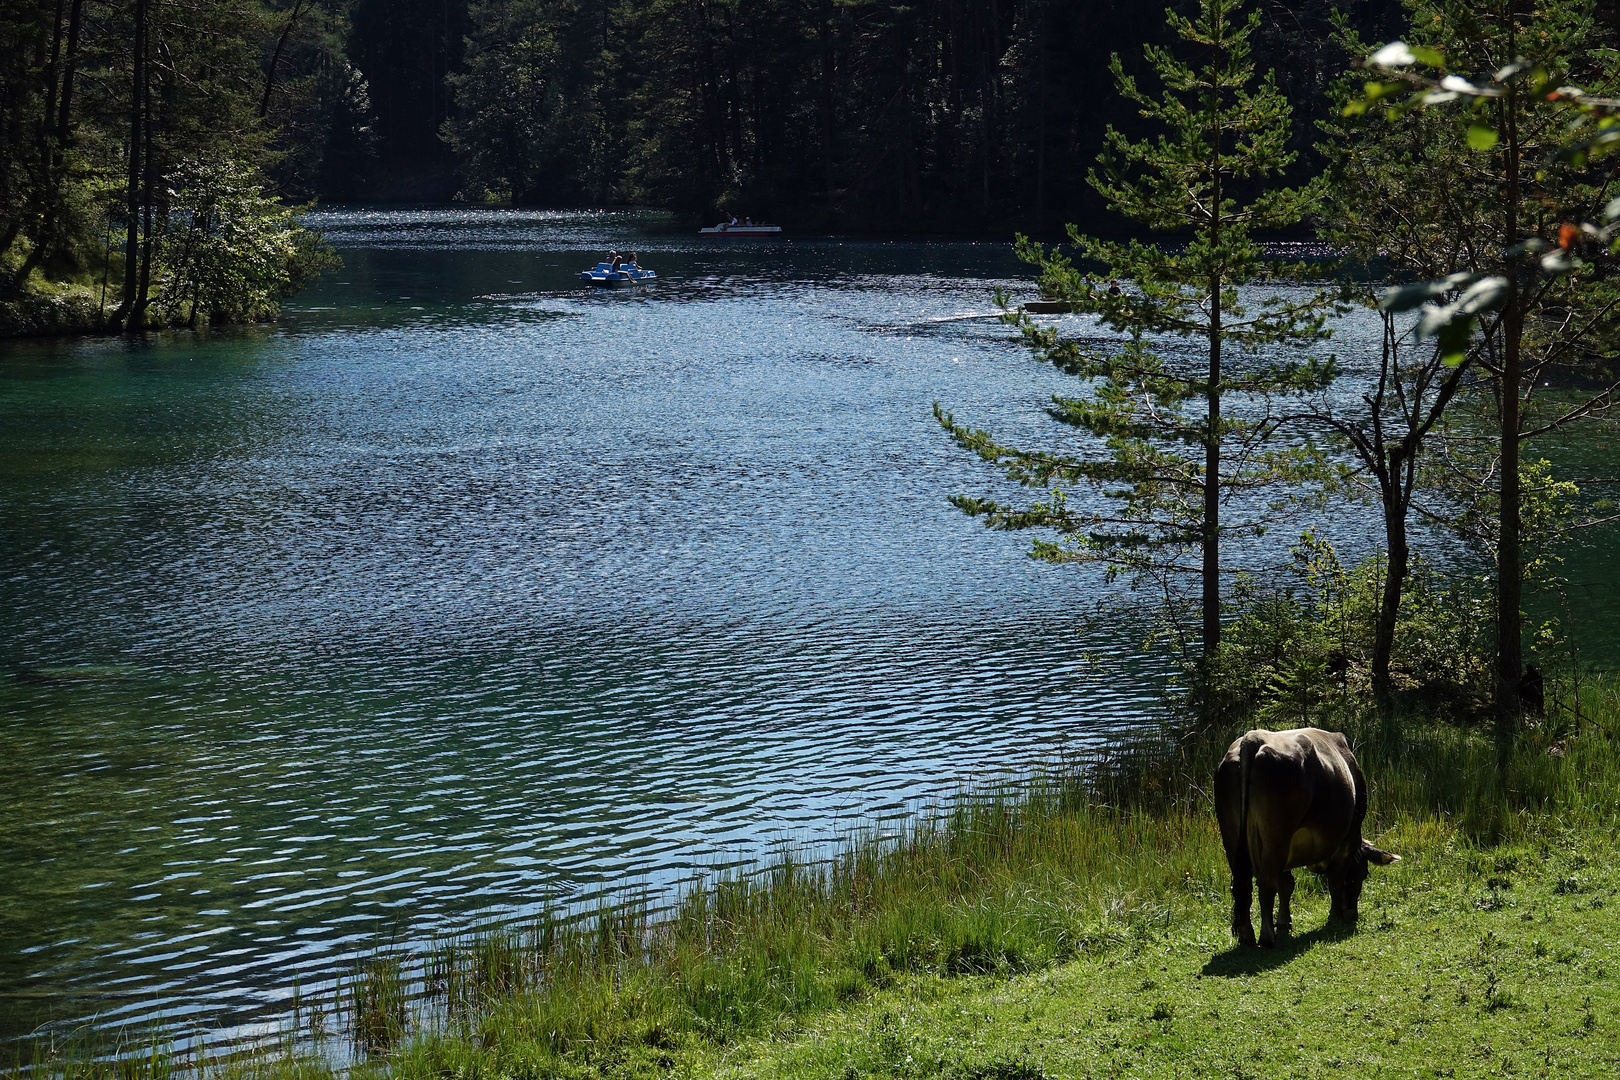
(946, 115)
(977, 115)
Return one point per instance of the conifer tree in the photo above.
(1183, 413)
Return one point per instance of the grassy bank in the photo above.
(1499, 964)
(1077, 927)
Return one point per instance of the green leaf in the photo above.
(1481, 137)
(1452, 326)
(1503, 74)
(1425, 55)
(1406, 297)
(1486, 294)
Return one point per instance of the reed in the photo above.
(379, 1004)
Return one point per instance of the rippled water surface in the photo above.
(461, 592)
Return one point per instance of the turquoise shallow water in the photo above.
(426, 607)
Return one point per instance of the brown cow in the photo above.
(1287, 799)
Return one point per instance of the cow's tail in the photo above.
(1246, 754)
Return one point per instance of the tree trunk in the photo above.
(149, 179)
(1389, 607)
(36, 255)
(50, 76)
(1509, 559)
(275, 57)
(137, 155)
(53, 142)
(143, 295)
(69, 67)
(1211, 600)
(45, 194)
(13, 230)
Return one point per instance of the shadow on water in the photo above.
(1239, 961)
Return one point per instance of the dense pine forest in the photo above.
(948, 114)
(980, 115)
(985, 117)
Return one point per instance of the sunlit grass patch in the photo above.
(1431, 984)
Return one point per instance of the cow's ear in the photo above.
(1382, 858)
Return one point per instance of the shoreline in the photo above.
(33, 317)
(71, 314)
(1057, 900)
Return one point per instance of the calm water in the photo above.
(427, 607)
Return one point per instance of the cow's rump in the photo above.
(1287, 799)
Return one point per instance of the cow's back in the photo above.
(1287, 799)
(1292, 797)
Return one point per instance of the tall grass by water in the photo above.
(1108, 852)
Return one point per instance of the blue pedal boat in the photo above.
(627, 274)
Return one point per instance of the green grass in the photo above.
(1466, 963)
(1077, 926)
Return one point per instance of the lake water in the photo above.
(463, 592)
(420, 609)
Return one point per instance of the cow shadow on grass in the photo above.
(1238, 960)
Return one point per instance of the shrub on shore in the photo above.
(57, 315)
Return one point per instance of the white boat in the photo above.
(732, 228)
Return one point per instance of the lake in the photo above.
(464, 592)
(427, 608)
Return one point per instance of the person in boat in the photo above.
(630, 263)
(1113, 288)
(615, 261)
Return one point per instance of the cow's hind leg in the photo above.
(1268, 894)
(1285, 894)
(1271, 871)
(1242, 898)
(1229, 811)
